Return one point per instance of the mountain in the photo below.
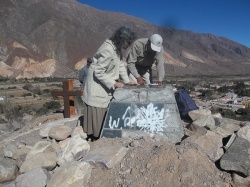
(42, 38)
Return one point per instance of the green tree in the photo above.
(206, 94)
(41, 111)
(47, 107)
(52, 105)
(245, 113)
(28, 87)
(46, 91)
(223, 89)
(229, 114)
(37, 90)
(239, 88)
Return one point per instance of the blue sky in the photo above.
(228, 18)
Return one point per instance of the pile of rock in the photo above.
(61, 156)
(216, 135)
(61, 160)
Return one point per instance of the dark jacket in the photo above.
(83, 74)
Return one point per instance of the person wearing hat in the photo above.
(84, 71)
(144, 53)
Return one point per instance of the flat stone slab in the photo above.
(144, 109)
(236, 157)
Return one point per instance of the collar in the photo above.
(111, 43)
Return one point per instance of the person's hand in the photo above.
(119, 85)
(140, 80)
(158, 82)
(132, 83)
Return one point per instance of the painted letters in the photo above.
(147, 118)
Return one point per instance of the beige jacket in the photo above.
(105, 70)
(139, 59)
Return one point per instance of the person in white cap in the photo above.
(144, 53)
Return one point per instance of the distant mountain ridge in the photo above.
(42, 38)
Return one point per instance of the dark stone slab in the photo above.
(236, 157)
(145, 109)
(112, 133)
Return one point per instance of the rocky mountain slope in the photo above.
(42, 38)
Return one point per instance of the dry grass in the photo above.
(16, 95)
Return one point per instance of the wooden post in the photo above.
(68, 96)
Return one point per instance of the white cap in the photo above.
(156, 42)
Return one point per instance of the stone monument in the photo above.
(147, 109)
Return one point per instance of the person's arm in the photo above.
(160, 66)
(81, 75)
(123, 73)
(131, 60)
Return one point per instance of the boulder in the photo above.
(74, 174)
(42, 160)
(107, 156)
(236, 157)
(37, 177)
(8, 170)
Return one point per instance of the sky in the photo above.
(227, 18)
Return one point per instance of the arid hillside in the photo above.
(43, 38)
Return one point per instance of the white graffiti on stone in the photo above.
(113, 124)
(149, 118)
